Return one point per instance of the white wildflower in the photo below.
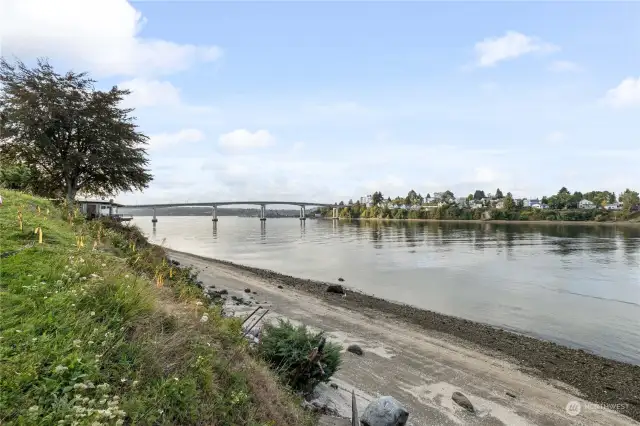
(199, 303)
(34, 409)
(176, 379)
(34, 339)
(103, 387)
(73, 304)
(92, 313)
(135, 383)
(18, 331)
(90, 342)
(60, 369)
(123, 380)
(204, 318)
(126, 276)
(80, 386)
(104, 265)
(76, 343)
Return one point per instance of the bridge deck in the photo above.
(229, 203)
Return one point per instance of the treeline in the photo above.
(453, 212)
(563, 206)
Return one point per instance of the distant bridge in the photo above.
(215, 204)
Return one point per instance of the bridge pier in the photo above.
(303, 213)
(155, 219)
(214, 213)
(335, 213)
(263, 215)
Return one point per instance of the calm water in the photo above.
(577, 285)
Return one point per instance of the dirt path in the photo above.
(421, 368)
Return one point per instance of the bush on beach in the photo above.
(287, 348)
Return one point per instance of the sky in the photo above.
(327, 101)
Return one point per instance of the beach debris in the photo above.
(462, 401)
(333, 385)
(355, 421)
(247, 290)
(255, 292)
(280, 287)
(355, 349)
(175, 262)
(385, 411)
(336, 288)
(341, 279)
(512, 395)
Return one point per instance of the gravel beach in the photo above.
(596, 379)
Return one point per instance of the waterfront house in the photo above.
(100, 208)
(586, 204)
(500, 204)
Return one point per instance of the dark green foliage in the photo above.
(69, 136)
(286, 348)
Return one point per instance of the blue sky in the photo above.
(323, 101)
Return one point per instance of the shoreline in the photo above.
(597, 379)
(498, 222)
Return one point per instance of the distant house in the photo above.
(614, 206)
(500, 204)
(462, 201)
(586, 204)
(525, 202)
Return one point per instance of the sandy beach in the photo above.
(421, 357)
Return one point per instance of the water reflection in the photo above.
(215, 229)
(263, 231)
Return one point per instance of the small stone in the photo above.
(280, 287)
(512, 395)
(462, 401)
(355, 349)
(335, 288)
(333, 385)
(247, 290)
(175, 262)
(341, 279)
(255, 292)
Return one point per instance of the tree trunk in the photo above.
(71, 193)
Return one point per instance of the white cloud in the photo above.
(564, 66)
(242, 139)
(185, 136)
(626, 94)
(556, 137)
(492, 50)
(100, 35)
(146, 93)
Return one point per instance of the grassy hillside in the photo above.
(97, 328)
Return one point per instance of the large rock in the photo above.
(385, 411)
(355, 349)
(335, 288)
(462, 401)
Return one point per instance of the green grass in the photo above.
(87, 337)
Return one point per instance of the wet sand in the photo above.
(421, 357)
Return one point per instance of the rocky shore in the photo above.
(596, 379)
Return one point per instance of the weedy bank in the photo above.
(96, 327)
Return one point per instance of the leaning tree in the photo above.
(73, 137)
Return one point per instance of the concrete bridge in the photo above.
(215, 204)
